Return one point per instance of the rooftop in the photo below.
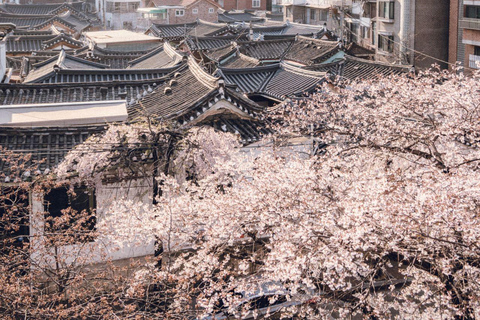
(118, 36)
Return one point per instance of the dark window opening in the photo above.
(476, 51)
(385, 43)
(70, 215)
(472, 12)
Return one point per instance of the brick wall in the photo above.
(453, 32)
(202, 13)
(243, 5)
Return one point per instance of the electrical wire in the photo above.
(408, 48)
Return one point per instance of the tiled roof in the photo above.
(26, 44)
(35, 93)
(195, 29)
(239, 60)
(40, 9)
(231, 17)
(186, 91)
(205, 43)
(26, 21)
(48, 145)
(31, 43)
(27, 32)
(114, 59)
(291, 81)
(266, 50)
(353, 68)
(62, 37)
(208, 29)
(171, 31)
(163, 57)
(50, 69)
(277, 81)
(188, 98)
(309, 51)
(249, 80)
(218, 54)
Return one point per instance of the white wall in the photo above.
(99, 250)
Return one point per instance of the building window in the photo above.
(476, 51)
(179, 13)
(312, 14)
(323, 15)
(374, 26)
(472, 12)
(211, 10)
(122, 7)
(386, 10)
(255, 3)
(70, 215)
(289, 11)
(385, 43)
(195, 10)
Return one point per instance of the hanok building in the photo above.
(68, 18)
(26, 42)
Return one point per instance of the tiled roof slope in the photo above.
(291, 81)
(267, 49)
(48, 145)
(353, 68)
(277, 81)
(66, 69)
(310, 51)
(36, 93)
(164, 56)
(249, 80)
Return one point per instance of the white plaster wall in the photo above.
(97, 251)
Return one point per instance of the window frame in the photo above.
(177, 12)
(90, 209)
(195, 11)
(468, 9)
(211, 10)
(254, 3)
(385, 43)
(386, 10)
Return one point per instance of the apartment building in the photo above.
(401, 31)
(316, 12)
(465, 33)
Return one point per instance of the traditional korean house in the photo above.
(25, 43)
(272, 83)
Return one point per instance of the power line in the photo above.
(408, 48)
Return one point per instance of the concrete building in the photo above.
(121, 40)
(465, 33)
(118, 14)
(401, 31)
(178, 12)
(310, 12)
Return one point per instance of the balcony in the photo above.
(467, 23)
(474, 61)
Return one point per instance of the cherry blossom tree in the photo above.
(382, 222)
